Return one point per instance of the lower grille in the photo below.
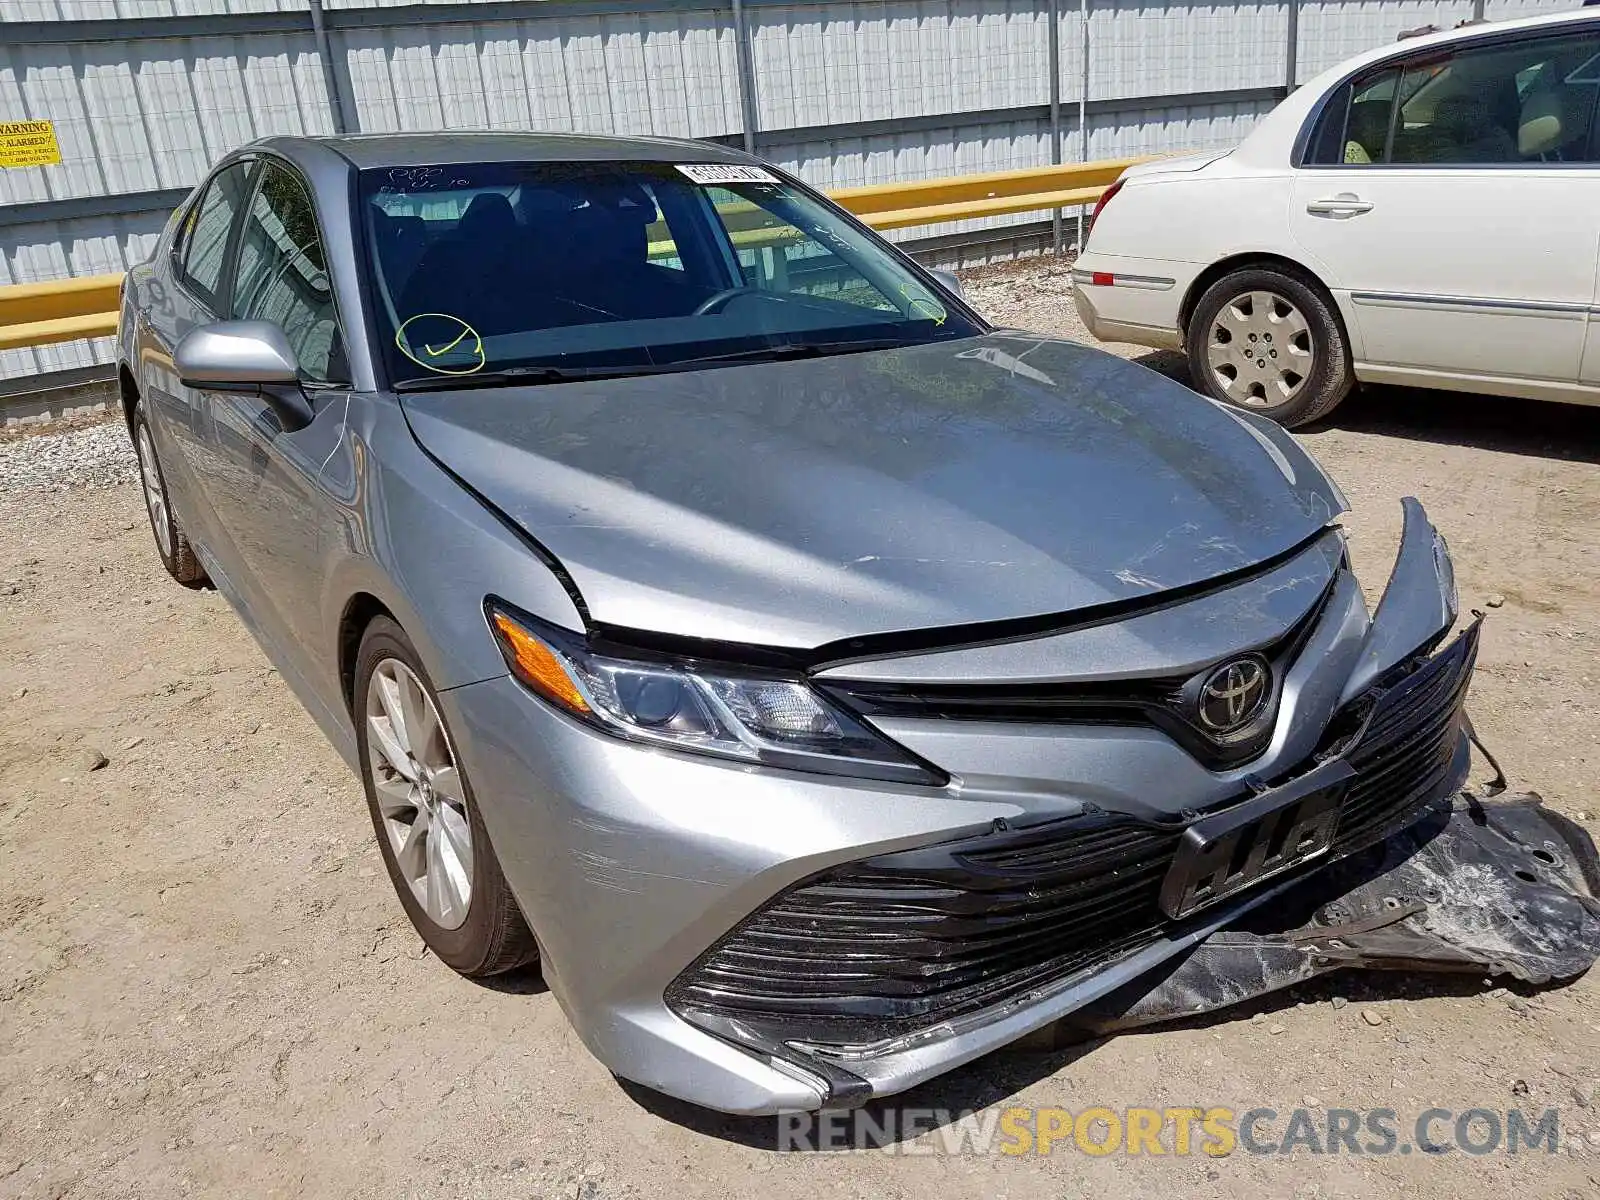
(1404, 755)
(883, 946)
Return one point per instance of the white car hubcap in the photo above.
(1260, 350)
(419, 791)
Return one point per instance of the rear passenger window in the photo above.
(1525, 102)
(204, 235)
(282, 276)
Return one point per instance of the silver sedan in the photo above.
(821, 686)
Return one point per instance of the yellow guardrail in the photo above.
(38, 314)
(962, 197)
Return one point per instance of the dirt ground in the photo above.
(207, 986)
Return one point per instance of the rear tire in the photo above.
(1267, 340)
(172, 544)
(432, 838)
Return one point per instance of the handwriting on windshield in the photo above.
(442, 336)
(405, 180)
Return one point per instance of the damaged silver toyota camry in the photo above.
(823, 687)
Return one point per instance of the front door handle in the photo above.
(1345, 204)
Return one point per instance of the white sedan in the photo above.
(1425, 214)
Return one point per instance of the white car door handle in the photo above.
(1345, 204)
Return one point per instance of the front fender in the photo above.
(426, 549)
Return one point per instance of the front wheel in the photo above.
(1269, 341)
(432, 837)
(177, 555)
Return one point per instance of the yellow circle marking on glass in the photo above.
(466, 332)
(926, 305)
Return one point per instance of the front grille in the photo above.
(1166, 703)
(883, 946)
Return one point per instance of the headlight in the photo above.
(774, 720)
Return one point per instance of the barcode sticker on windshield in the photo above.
(711, 173)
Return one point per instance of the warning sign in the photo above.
(28, 144)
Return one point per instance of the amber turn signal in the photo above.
(537, 665)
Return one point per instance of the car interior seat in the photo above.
(610, 257)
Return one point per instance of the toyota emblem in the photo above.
(1234, 694)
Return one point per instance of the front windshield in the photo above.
(487, 267)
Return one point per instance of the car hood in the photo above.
(800, 503)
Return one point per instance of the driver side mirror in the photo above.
(950, 281)
(245, 356)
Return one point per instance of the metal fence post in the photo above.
(1055, 114)
(1291, 69)
(747, 78)
(1083, 109)
(1477, 10)
(330, 75)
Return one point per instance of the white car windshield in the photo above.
(481, 268)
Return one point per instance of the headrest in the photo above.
(488, 216)
(1539, 127)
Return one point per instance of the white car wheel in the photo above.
(1269, 341)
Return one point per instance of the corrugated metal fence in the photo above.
(146, 93)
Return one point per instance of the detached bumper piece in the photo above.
(1485, 886)
(873, 951)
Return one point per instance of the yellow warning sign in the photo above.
(28, 144)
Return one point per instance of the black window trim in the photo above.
(200, 296)
(236, 246)
(1588, 27)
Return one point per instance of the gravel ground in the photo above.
(208, 988)
(95, 457)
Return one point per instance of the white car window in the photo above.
(1531, 100)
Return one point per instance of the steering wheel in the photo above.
(720, 300)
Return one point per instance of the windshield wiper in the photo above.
(786, 350)
(517, 377)
(533, 375)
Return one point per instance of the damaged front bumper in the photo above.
(1482, 885)
(876, 973)
(757, 941)
(884, 972)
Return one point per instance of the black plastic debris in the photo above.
(1488, 886)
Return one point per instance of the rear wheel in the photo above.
(433, 840)
(1269, 341)
(177, 555)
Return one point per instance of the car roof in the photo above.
(426, 149)
(1462, 33)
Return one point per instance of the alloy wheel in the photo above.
(155, 494)
(420, 795)
(1260, 350)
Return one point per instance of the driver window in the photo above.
(282, 276)
(777, 256)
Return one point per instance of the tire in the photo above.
(172, 544)
(1285, 315)
(478, 932)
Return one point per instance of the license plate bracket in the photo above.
(1272, 832)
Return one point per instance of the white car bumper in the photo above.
(1125, 299)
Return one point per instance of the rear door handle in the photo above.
(1345, 204)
